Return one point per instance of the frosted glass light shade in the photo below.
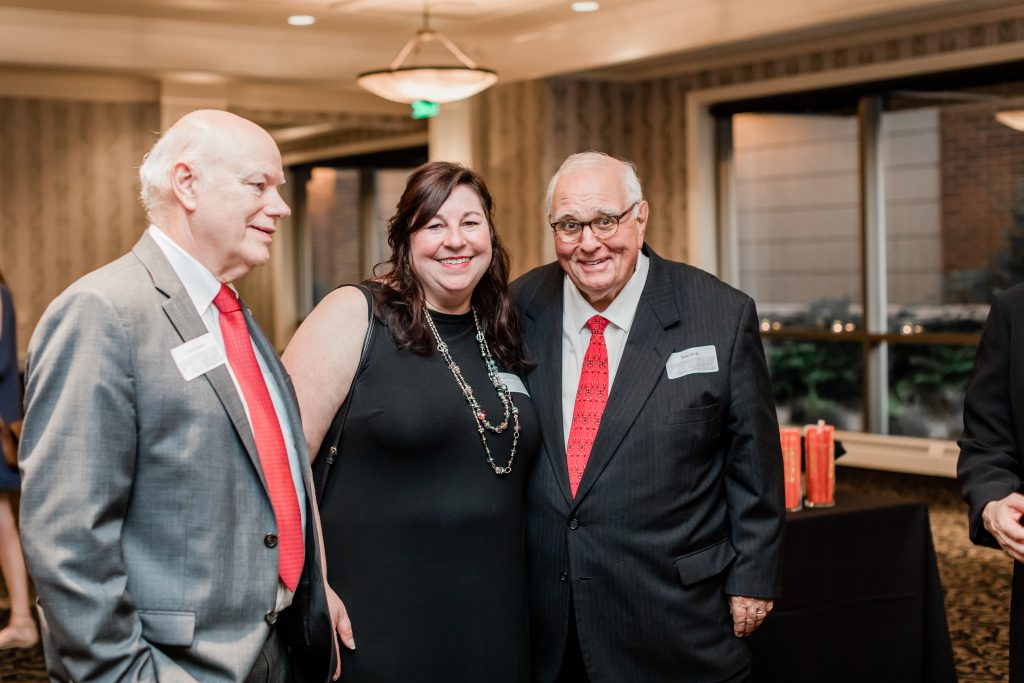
(1014, 119)
(432, 83)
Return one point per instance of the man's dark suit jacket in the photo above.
(681, 503)
(991, 465)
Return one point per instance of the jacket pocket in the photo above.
(705, 563)
(700, 414)
(174, 629)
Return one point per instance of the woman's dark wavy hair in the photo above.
(400, 305)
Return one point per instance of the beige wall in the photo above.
(67, 193)
(513, 160)
(69, 201)
(530, 128)
(69, 188)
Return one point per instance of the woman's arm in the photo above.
(322, 359)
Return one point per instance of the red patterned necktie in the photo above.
(266, 431)
(591, 397)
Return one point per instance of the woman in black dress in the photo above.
(423, 510)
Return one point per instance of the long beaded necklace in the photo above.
(482, 424)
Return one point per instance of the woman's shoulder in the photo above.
(347, 298)
(344, 307)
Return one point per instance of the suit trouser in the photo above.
(572, 670)
(272, 665)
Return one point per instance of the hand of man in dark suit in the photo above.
(1002, 519)
(748, 613)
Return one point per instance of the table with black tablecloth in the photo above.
(861, 598)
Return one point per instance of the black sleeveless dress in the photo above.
(425, 543)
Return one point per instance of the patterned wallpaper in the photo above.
(513, 158)
(532, 127)
(912, 42)
(68, 189)
(68, 196)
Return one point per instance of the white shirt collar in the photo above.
(200, 283)
(621, 310)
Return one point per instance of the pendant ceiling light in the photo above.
(431, 83)
(1013, 118)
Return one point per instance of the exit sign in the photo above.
(422, 109)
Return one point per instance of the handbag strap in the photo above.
(339, 419)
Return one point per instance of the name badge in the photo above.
(513, 382)
(699, 359)
(198, 356)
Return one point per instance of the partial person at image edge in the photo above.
(991, 465)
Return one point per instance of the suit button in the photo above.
(270, 540)
(563, 577)
(270, 617)
(574, 524)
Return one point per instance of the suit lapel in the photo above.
(643, 361)
(183, 316)
(545, 381)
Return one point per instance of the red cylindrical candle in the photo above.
(791, 452)
(820, 458)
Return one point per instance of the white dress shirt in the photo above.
(576, 311)
(202, 287)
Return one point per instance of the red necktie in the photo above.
(266, 431)
(591, 397)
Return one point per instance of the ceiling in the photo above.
(249, 41)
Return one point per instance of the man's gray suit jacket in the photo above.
(145, 516)
(681, 502)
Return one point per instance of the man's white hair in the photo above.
(589, 160)
(189, 143)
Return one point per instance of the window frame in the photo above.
(712, 211)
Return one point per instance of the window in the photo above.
(872, 229)
(344, 212)
(332, 214)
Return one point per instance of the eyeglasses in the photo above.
(603, 227)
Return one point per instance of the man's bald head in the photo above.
(196, 139)
(211, 184)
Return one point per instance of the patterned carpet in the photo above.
(976, 582)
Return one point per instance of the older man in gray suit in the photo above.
(654, 514)
(167, 504)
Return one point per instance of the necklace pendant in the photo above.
(502, 391)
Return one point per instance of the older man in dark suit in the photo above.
(991, 465)
(655, 513)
